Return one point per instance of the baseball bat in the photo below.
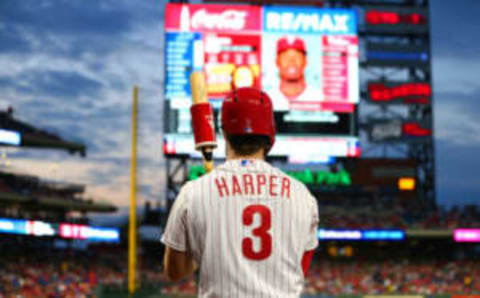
(202, 119)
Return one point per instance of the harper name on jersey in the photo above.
(253, 185)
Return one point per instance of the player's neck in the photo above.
(293, 89)
(231, 155)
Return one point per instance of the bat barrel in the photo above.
(198, 87)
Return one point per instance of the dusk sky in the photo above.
(69, 66)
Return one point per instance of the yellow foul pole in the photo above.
(132, 231)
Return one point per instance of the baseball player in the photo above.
(249, 228)
(291, 63)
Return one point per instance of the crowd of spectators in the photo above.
(31, 277)
(400, 217)
(390, 277)
(61, 275)
(57, 275)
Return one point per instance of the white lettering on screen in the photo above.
(229, 19)
(293, 22)
(6, 225)
(91, 232)
(332, 234)
(39, 228)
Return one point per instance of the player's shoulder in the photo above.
(299, 185)
(197, 185)
(185, 192)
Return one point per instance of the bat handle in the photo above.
(207, 153)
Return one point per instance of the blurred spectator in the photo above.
(399, 217)
(69, 274)
(390, 277)
(62, 275)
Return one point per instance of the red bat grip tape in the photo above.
(203, 126)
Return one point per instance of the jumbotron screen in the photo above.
(305, 59)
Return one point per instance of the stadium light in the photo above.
(406, 183)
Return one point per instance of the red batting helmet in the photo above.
(291, 42)
(248, 111)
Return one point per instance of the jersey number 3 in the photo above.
(261, 232)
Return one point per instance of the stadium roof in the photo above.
(30, 192)
(30, 136)
(50, 203)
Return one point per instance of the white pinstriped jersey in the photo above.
(247, 224)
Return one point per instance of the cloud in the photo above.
(46, 25)
(457, 171)
(454, 29)
(455, 47)
(12, 40)
(455, 74)
(106, 179)
(456, 118)
(52, 83)
(70, 68)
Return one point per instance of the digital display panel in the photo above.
(306, 59)
(397, 55)
(359, 235)
(396, 20)
(63, 230)
(12, 226)
(466, 235)
(386, 130)
(306, 176)
(378, 17)
(10, 137)
(391, 92)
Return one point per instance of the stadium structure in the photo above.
(381, 231)
(379, 218)
(393, 118)
(18, 133)
(45, 231)
(25, 195)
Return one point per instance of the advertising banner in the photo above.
(398, 130)
(10, 137)
(396, 92)
(357, 235)
(304, 58)
(63, 230)
(466, 235)
(397, 55)
(213, 18)
(12, 226)
(395, 20)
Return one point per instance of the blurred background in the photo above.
(389, 148)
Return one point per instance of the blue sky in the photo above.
(70, 66)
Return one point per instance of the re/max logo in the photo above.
(323, 22)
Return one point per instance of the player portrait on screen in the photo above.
(291, 62)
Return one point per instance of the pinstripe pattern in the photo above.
(208, 223)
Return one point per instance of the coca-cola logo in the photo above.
(227, 20)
